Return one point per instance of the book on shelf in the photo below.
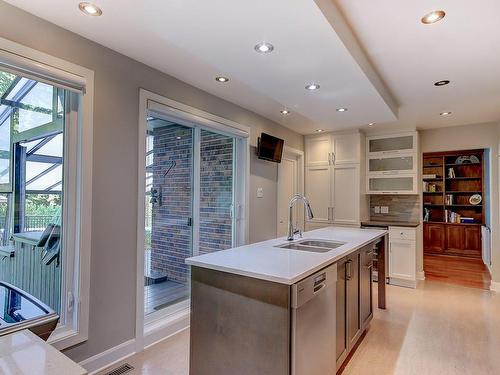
(467, 220)
(427, 176)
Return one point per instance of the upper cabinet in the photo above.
(319, 150)
(387, 145)
(328, 149)
(392, 164)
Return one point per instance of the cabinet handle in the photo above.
(333, 158)
(369, 265)
(348, 269)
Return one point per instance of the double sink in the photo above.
(313, 246)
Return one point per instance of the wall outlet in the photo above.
(376, 209)
(260, 193)
(384, 209)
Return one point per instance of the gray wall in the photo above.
(471, 137)
(117, 83)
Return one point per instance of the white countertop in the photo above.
(24, 353)
(264, 261)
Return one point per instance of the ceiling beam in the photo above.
(338, 23)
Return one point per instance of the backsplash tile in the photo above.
(401, 207)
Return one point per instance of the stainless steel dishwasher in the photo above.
(314, 323)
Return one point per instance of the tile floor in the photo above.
(436, 329)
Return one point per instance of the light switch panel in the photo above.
(260, 193)
(376, 209)
(384, 209)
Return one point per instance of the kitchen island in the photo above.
(248, 304)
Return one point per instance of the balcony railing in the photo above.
(25, 268)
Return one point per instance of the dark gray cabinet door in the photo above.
(353, 317)
(341, 333)
(365, 284)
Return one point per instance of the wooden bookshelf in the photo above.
(444, 232)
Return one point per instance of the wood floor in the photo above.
(436, 329)
(468, 272)
(158, 296)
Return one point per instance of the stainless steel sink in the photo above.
(314, 246)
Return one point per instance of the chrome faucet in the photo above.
(295, 198)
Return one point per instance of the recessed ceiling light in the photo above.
(444, 82)
(371, 124)
(264, 47)
(312, 86)
(341, 109)
(285, 112)
(433, 16)
(445, 113)
(319, 130)
(90, 9)
(178, 137)
(222, 79)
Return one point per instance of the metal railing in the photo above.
(37, 222)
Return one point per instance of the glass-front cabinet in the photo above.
(392, 185)
(392, 164)
(392, 144)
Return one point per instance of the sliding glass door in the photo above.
(169, 213)
(189, 201)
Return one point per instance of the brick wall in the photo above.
(216, 192)
(171, 235)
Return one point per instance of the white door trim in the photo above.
(298, 155)
(178, 319)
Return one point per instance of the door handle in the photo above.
(329, 158)
(333, 158)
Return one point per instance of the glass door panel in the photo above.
(393, 144)
(393, 164)
(169, 212)
(216, 192)
(391, 184)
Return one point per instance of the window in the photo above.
(45, 183)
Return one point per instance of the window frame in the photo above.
(77, 213)
(163, 323)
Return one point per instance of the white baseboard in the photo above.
(421, 275)
(109, 357)
(495, 286)
(402, 282)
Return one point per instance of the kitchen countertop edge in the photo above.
(335, 256)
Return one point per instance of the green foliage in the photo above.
(6, 80)
(43, 204)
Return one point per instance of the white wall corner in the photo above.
(421, 275)
(495, 286)
(109, 357)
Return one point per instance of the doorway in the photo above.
(193, 177)
(456, 221)
(290, 182)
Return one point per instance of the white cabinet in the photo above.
(318, 150)
(346, 148)
(333, 177)
(392, 164)
(392, 144)
(318, 191)
(346, 194)
(403, 256)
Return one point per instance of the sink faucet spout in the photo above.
(293, 200)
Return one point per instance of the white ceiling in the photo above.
(197, 40)
(463, 48)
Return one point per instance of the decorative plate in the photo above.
(475, 199)
(472, 159)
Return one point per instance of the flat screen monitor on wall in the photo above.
(270, 148)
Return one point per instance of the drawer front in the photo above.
(401, 233)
